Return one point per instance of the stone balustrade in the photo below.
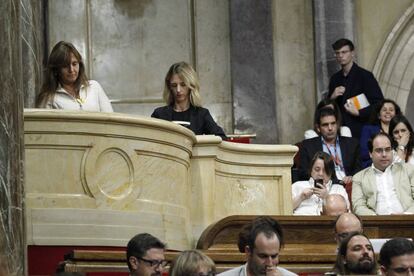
(99, 178)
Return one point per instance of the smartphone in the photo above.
(318, 181)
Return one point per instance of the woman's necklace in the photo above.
(75, 94)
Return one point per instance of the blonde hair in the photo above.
(189, 263)
(189, 77)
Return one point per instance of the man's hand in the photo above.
(347, 180)
(339, 91)
(351, 109)
(273, 271)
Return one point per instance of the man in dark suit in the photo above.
(349, 82)
(343, 150)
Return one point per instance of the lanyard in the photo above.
(335, 156)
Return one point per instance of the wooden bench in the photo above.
(309, 244)
(114, 262)
(309, 241)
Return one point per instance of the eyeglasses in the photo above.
(403, 270)
(343, 235)
(154, 263)
(383, 150)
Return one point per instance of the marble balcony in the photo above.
(97, 179)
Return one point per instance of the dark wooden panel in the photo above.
(309, 243)
(304, 229)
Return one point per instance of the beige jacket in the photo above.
(364, 189)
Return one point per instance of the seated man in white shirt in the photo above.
(384, 188)
(261, 240)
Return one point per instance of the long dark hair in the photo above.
(339, 266)
(58, 59)
(375, 113)
(393, 123)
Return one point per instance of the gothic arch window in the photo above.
(394, 66)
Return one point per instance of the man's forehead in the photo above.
(405, 258)
(343, 48)
(328, 119)
(351, 227)
(154, 252)
(265, 239)
(348, 223)
(358, 240)
(381, 141)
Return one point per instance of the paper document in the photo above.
(360, 101)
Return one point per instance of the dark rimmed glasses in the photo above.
(154, 263)
(383, 150)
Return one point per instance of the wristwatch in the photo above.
(401, 147)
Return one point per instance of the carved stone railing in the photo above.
(100, 178)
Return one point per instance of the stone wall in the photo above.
(12, 242)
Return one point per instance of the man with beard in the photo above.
(397, 257)
(261, 241)
(355, 256)
(145, 255)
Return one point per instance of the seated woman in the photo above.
(181, 93)
(192, 262)
(343, 131)
(308, 196)
(379, 121)
(66, 85)
(402, 139)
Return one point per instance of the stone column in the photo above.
(33, 48)
(252, 69)
(12, 252)
(332, 20)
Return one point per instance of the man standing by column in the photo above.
(351, 86)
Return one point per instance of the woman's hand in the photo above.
(306, 193)
(321, 191)
(403, 141)
(347, 180)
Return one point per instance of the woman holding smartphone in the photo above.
(308, 196)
